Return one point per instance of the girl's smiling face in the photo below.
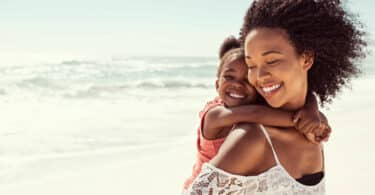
(275, 69)
(233, 86)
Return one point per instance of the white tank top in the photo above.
(274, 181)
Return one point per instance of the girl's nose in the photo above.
(239, 83)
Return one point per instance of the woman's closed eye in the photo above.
(273, 62)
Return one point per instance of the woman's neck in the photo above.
(297, 102)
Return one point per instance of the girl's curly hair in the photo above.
(323, 26)
(229, 51)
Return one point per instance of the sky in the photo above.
(126, 28)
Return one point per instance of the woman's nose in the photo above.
(262, 74)
(258, 75)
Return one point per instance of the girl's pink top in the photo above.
(207, 149)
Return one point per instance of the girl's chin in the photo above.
(234, 103)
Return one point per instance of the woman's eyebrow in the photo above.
(271, 52)
(266, 53)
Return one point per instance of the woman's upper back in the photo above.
(247, 164)
(297, 155)
(247, 151)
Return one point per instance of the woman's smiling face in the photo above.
(275, 69)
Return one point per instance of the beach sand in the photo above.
(113, 173)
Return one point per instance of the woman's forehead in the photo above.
(265, 41)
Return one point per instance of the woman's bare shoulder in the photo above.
(245, 134)
(242, 151)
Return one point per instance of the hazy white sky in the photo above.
(124, 27)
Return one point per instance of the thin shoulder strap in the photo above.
(323, 158)
(270, 142)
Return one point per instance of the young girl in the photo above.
(232, 106)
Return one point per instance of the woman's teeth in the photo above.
(234, 95)
(271, 88)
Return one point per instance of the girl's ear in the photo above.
(217, 84)
(308, 59)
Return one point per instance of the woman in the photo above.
(292, 48)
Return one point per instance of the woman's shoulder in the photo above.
(243, 150)
(306, 158)
(247, 134)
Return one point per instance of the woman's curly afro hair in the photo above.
(322, 26)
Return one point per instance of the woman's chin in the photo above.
(273, 103)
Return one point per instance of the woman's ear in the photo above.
(217, 84)
(308, 59)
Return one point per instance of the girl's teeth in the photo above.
(271, 88)
(233, 95)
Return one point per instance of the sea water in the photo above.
(73, 108)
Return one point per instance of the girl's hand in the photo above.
(312, 124)
(324, 136)
(306, 120)
(323, 133)
(319, 135)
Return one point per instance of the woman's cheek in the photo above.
(251, 76)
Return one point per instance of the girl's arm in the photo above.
(219, 117)
(312, 123)
(308, 118)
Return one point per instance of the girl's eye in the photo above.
(227, 77)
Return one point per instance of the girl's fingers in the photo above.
(311, 137)
(297, 117)
(303, 126)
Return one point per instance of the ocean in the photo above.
(51, 112)
(77, 107)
